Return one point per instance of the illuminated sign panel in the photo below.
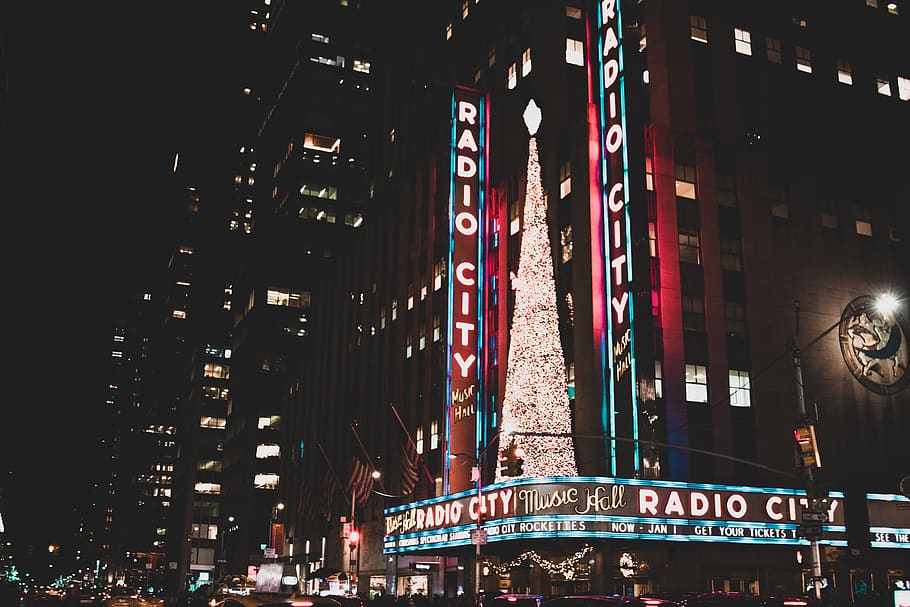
(616, 242)
(595, 507)
(889, 520)
(465, 277)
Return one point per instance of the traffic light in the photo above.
(806, 446)
(353, 538)
(513, 461)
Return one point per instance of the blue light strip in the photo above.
(887, 497)
(480, 410)
(608, 413)
(903, 530)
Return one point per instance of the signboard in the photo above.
(479, 536)
(269, 577)
(465, 278)
(623, 414)
(603, 507)
(889, 520)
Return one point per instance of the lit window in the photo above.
(844, 73)
(318, 190)
(217, 371)
(903, 88)
(872, 3)
(266, 422)
(319, 38)
(266, 480)
(264, 450)
(408, 348)
(772, 47)
(649, 174)
(575, 52)
(287, 297)
(437, 331)
(410, 296)
(565, 238)
(658, 379)
(696, 384)
(892, 8)
(642, 38)
(573, 12)
(464, 9)
(437, 275)
(449, 31)
(361, 66)
(863, 220)
(394, 309)
(514, 219)
(685, 181)
(698, 29)
(652, 238)
(219, 423)
(743, 41)
(565, 180)
(491, 57)
(829, 220)
(434, 435)
(178, 314)
(803, 59)
(208, 488)
(883, 85)
(740, 389)
(322, 143)
(512, 77)
(693, 313)
(689, 247)
(419, 439)
(526, 62)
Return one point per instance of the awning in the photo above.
(324, 572)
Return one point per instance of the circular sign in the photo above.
(874, 346)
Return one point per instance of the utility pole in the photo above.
(809, 477)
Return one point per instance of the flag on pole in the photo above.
(330, 487)
(360, 481)
(409, 462)
(420, 462)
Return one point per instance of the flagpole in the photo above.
(411, 440)
(369, 459)
(331, 469)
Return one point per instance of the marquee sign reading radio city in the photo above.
(602, 507)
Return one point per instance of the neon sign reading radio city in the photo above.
(465, 232)
(605, 507)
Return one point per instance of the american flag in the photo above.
(330, 487)
(306, 508)
(360, 483)
(409, 462)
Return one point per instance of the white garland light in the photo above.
(536, 395)
(565, 568)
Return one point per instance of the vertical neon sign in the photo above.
(622, 417)
(465, 280)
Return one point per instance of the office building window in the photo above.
(685, 181)
(844, 73)
(575, 52)
(419, 439)
(286, 297)
(698, 28)
(740, 389)
(434, 435)
(696, 383)
(217, 423)
(883, 85)
(803, 59)
(743, 41)
(265, 480)
(689, 250)
(526, 62)
(658, 379)
(731, 253)
(735, 318)
(512, 77)
(693, 312)
(565, 179)
(772, 48)
(903, 88)
(863, 220)
(266, 450)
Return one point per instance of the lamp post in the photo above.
(223, 558)
(275, 509)
(885, 304)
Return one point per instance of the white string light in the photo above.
(565, 568)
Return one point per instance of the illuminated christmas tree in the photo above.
(536, 396)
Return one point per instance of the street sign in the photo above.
(817, 517)
(269, 553)
(478, 536)
(812, 532)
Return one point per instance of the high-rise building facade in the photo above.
(720, 203)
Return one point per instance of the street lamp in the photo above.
(222, 561)
(809, 458)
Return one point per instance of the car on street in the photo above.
(605, 600)
(129, 596)
(274, 599)
(515, 600)
(725, 599)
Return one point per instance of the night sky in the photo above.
(96, 100)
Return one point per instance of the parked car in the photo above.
(725, 599)
(658, 597)
(347, 600)
(84, 595)
(515, 600)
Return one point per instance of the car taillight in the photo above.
(651, 601)
(301, 603)
(795, 603)
(512, 599)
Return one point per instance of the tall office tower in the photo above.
(705, 166)
(303, 195)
